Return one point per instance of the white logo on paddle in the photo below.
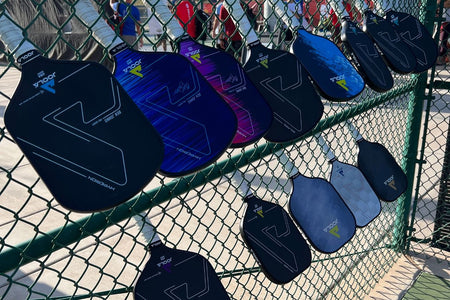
(390, 182)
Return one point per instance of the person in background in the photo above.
(155, 29)
(216, 23)
(444, 32)
(131, 29)
(184, 11)
(230, 38)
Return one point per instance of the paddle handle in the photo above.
(100, 29)
(286, 163)
(354, 132)
(12, 36)
(361, 5)
(237, 14)
(239, 180)
(148, 231)
(165, 16)
(339, 9)
(325, 148)
(282, 11)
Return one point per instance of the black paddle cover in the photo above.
(417, 37)
(178, 275)
(381, 170)
(82, 133)
(274, 240)
(395, 51)
(285, 85)
(366, 57)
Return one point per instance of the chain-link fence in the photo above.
(48, 252)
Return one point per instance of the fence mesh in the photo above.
(48, 252)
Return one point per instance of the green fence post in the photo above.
(415, 109)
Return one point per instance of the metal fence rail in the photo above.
(48, 252)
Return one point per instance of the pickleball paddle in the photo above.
(272, 237)
(353, 187)
(196, 125)
(379, 167)
(226, 75)
(395, 51)
(318, 209)
(366, 57)
(416, 36)
(176, 274)
(79, 129)
(333, 74)
(283, 82)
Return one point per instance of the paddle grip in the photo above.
(361, 5)
(286, 163)
(325, 149)
(239, 180)
(283, 12)
(355, 134)
(12, 36)
(174, 29)
(147, 229)
(339, 9)
(100, 29)
(237, 14)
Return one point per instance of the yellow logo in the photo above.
(196, 57)
(342, 83)
(334, 231)
(137, 71)
(375, 20)
(265, 63)
(259, 211)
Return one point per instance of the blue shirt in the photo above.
(129, 24)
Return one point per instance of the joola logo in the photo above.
(46, 83)
(134, 68)
(263, 60)
(374, 20)
(394, 19)
(258, 210)
(333, 228)
(194, 54)
(341, 171)
(165, 263)
(340, 80)
(390, 182)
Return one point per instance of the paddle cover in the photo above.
(366, 57)
(226, 76)
(356, 192)
(176, 274)
(381, 170)
(417, 37)
(82, 133)
(274, 240)
(321, 213)
(196, 125)
(332, 72)
(285, 85)
(395, 51)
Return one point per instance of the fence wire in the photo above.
(48, 252)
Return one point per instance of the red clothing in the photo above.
(334, 18)
(230, 30)
(185, 16)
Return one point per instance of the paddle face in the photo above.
(284, 83)
(381, 170)
(175, 274)
(356, 192)
(333, 74)
(274, 240)
(366, 57)
(82, 133)
(196, 125)
(321, 213)
(417, 37)
(226, 76)
(395, 51)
